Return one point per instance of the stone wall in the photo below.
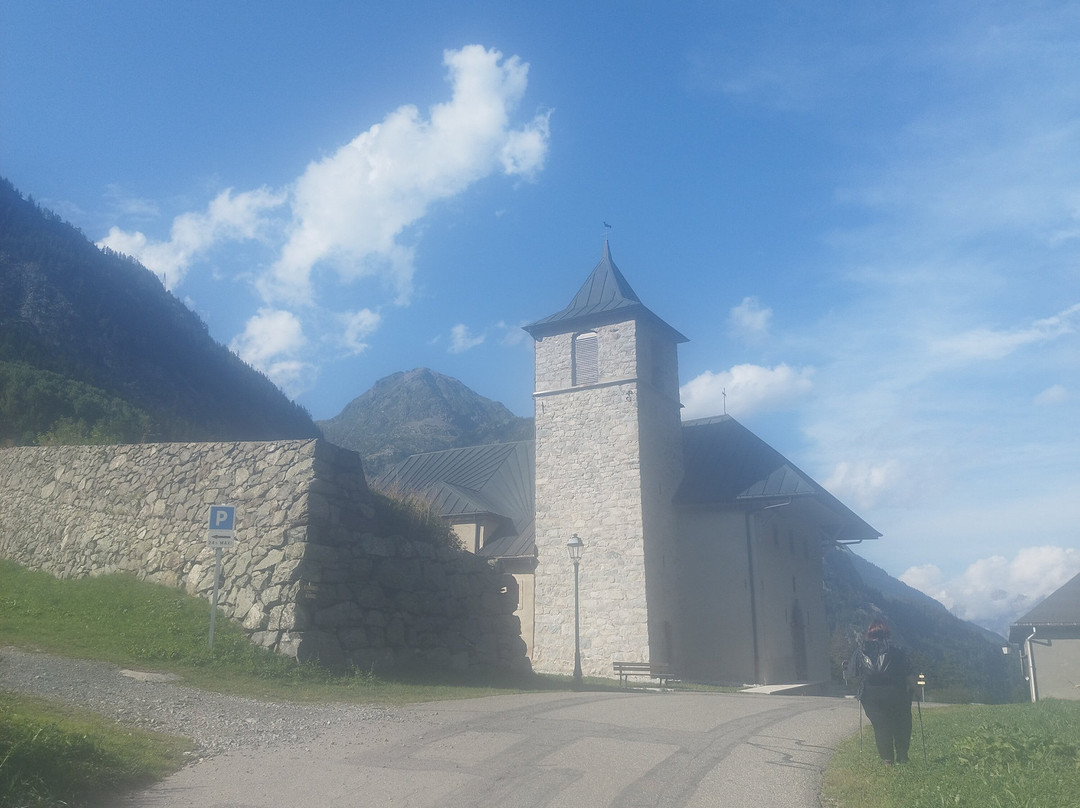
(312, 575)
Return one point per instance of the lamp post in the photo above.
(574, 548)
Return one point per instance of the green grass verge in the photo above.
(54, 756)
(1001, 756)
(135, 624)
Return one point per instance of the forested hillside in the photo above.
(94, 349)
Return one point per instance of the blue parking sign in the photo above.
(222, 518)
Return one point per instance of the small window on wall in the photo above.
(586, 370)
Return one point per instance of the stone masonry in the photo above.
(607, 463)
(312, 575)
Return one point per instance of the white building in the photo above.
(703, 544)
(1049, 640)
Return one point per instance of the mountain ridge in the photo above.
(93, 348)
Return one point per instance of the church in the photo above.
(702, 544)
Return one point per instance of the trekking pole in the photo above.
(921, 682)
(860, 722)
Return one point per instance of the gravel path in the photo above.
(215, 722)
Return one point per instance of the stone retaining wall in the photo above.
(311, 575)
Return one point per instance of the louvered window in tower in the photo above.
(586, 370)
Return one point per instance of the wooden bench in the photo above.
(654, 670)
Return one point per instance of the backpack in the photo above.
(879, 664)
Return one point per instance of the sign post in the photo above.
(221, 533)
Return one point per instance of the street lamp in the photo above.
(574, 548)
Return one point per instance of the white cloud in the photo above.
(270, 342)
(227, 218)
(461, 339)
(863, 484)
(354, 212)
(526, 149)
(356, 327)
(350, 210)
(1055, 394)
(513, 334)
(130, 206)
(748, 388)
(993, 592)
(749, 320)
(985, 343)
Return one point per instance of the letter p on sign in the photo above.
(222, 517)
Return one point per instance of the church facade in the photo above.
(703, 545)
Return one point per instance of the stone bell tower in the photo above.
(608, 461)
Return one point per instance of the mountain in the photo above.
(420, 411)
(94, 349)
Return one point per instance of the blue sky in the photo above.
(865, 217)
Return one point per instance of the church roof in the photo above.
(605, 297)
(727, 464)
(495, 479)
(1060, 608)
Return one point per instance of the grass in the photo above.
(52, 756)
(1001, 756)
(135, 624)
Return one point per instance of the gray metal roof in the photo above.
(727, 464)
(495, 479)
(605, 297)
(1059, 608)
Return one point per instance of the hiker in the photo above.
(883, 671)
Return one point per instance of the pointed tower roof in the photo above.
(605, 297)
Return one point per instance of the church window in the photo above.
(586, 368)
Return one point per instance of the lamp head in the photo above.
(574, 547)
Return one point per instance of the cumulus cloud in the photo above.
(355, 213)
(270, 342)
(461, 339)
(993, 592)
(228, 217)
(351, 209)
(749, 320)
(748, 388)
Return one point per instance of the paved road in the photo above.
(583, 749)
